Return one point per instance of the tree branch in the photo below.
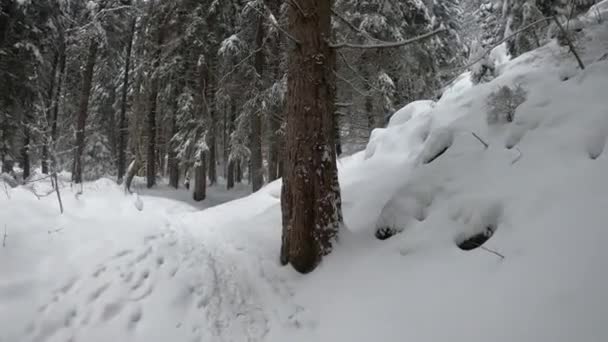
(385, 45)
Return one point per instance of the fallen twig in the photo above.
(481, 140)
(492, 251)
(518, 157)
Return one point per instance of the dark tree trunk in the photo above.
(256, 172)
(310, 197)
(171, 154)
(25, 154)
(212, 130)
(123, 129)
(238, 177)
(83, 106)
(230, 173)
(55, 115)
(200, 179)
(151, 122)
(48, 111)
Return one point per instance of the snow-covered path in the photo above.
(111, 266)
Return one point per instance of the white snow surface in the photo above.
(107, 271)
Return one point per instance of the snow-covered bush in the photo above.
(503, 103)
(483, 70)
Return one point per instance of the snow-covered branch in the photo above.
(386, 45)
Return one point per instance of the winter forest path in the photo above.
(169, 272)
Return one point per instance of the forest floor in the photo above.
(158, 268)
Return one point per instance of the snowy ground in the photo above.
(107, 271)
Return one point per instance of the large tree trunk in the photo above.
(200, 178)
(83, 106)
(123, 129)
(310, 197)
(255, 137)
(151, 122)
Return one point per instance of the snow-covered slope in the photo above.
(170, 273)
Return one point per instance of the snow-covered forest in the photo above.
(303, 170)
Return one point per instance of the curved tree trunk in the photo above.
(310, 197)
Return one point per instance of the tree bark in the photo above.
(83, 106)
(310, 196)
(200, 178)
(255, 137)
(151, 122)
(123, 128)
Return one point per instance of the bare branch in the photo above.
(386, 45)
(569, 41)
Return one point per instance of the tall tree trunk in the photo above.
(83, 106)
(255, 137)
(151, 122)
(275, 119)
(25, 154)
(200, 178)
(57, 99)
(230, 174)
(172, 160)
(48, 113)
(212, 111)
(123, 129)
(310, 196)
